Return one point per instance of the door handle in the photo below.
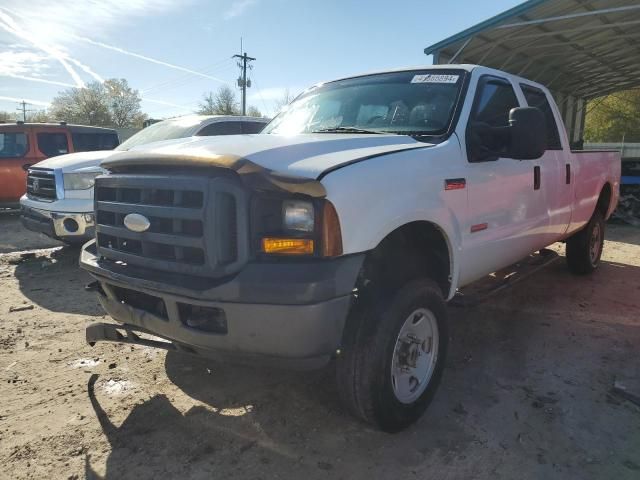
(536, 178)
(568, 174)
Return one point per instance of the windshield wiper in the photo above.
(414, 133)
(346, 130)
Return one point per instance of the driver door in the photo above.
(506, 217)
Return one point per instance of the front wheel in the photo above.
(392, 361)
(584, 248)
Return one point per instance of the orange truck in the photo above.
(25, 144)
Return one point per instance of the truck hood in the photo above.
(76, 161)
(308, 156)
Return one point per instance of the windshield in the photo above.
(13, 145)
(418, 102)
(165, 130)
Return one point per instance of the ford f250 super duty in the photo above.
(342, 229)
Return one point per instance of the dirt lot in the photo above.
(526, 392)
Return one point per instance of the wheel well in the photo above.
(413, 250)
(604, 200)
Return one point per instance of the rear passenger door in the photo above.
(221, 128)
(507, 213)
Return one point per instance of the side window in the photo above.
(13, 145)
(86, 142)
(494, 100)
(252, 127)
(52, 144)
(221, 128)
(537, 98)
(109, 141)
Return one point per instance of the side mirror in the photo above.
(527, 133)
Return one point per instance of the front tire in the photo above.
(393, 356)
(584, 248)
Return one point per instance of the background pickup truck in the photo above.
(59, 198)
(24, 144)
(341, 231)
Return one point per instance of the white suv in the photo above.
(59, 198)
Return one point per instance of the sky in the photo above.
(173, 51)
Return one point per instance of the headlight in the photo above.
(298, 215)
(79, 181)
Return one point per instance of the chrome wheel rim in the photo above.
(414, 355)
(595, 243)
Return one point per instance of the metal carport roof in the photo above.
(581, 48)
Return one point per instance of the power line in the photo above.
(264, 104)
(187, 77)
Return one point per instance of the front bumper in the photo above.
(288, 314)
(61, 225)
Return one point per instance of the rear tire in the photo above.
(584, 248)
(393, 355)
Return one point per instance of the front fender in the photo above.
(376, 197)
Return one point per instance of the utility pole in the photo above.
(242, 82)
(23, 107)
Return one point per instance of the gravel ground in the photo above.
(526, 393)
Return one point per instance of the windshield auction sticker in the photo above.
(432, 78)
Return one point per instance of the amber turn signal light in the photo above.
(287, 246)
(331, 234)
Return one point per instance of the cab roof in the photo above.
(60, 125)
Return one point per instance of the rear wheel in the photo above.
(584, 248)
(393, 357)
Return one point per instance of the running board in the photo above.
(486, 287)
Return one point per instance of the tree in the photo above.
(112, 103)
(223, 102)
(89, 105)
(124, 103)
(284, 100)
(614, 118)
(253, 111)
(39, 116)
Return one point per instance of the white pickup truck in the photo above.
(59, 198)
(342, 230)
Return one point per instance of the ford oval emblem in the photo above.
(137, 223)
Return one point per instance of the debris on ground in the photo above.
(627, 389)
(628, 210)
(21, 308)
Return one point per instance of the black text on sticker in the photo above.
(431, 78)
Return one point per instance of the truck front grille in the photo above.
(193, 222)
(41, 184)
